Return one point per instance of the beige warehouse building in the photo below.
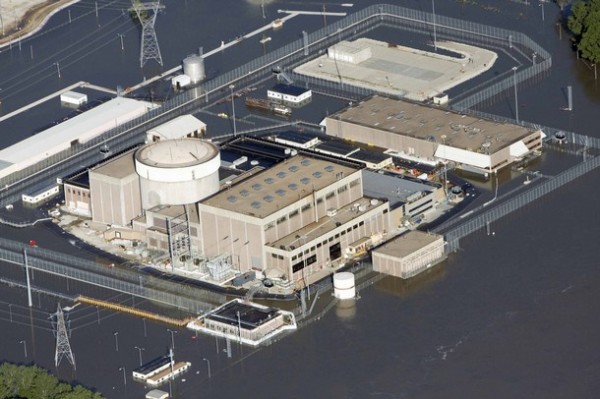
(409, 254)
(434, 134)
(295, 220)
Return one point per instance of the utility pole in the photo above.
(57, 68)
(69, 11)
(63, 348)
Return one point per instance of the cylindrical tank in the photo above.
(193, 66)
(177, 172)
(343, 285)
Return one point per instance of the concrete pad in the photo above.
(403, 71)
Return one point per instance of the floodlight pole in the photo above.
(434, 32)
(514, 69)
(231, 87)
(208, 365)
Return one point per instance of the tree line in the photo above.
(33, 382)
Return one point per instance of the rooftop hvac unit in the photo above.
(331, 212)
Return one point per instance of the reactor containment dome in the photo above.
(177, 172)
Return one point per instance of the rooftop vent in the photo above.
(305, 162)
(244, 193)
(232, 198)
(317, 174)
(293, 168)
(268, 198)
(256, 186)
(281, 175)
(255, 204)
(280, 192)
(269, 180)
(305, 180)
(329, 168)
(293, 186)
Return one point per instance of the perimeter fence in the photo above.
(506, 207)
(175, 294)
(128, 134)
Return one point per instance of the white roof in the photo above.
(82, 127)
(74, 95)
(178, 127)
(157, 394)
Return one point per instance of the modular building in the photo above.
(435, 134)
(289, 94)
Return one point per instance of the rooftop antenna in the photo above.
(149, 49)
(63, 348)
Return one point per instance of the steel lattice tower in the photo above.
(63, 348)
(149, 49)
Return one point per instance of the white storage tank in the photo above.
(177, 172)
(193, 66)
(343, 285)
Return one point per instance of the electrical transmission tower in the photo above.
(63, 348)
(146, 13)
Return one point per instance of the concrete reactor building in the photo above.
(177, 172)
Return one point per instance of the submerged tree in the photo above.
(584, 22)
(32, 382)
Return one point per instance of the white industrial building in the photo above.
(63, 136)
(434, 134)
(179, 127)
(177, 172)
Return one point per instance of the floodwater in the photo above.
(510, 315)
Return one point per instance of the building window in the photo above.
(302, 264)
(335, 251)
(355, 182)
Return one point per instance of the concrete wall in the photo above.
(115, 201)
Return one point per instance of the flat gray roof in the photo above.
(279, 186)
(395, 189)
(432, 124)
(407, 243)
(119, 167)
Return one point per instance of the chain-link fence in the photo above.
(518, 201)
(175, 294)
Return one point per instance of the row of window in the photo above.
(84, 194)
(309, 205)
(330, 239)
